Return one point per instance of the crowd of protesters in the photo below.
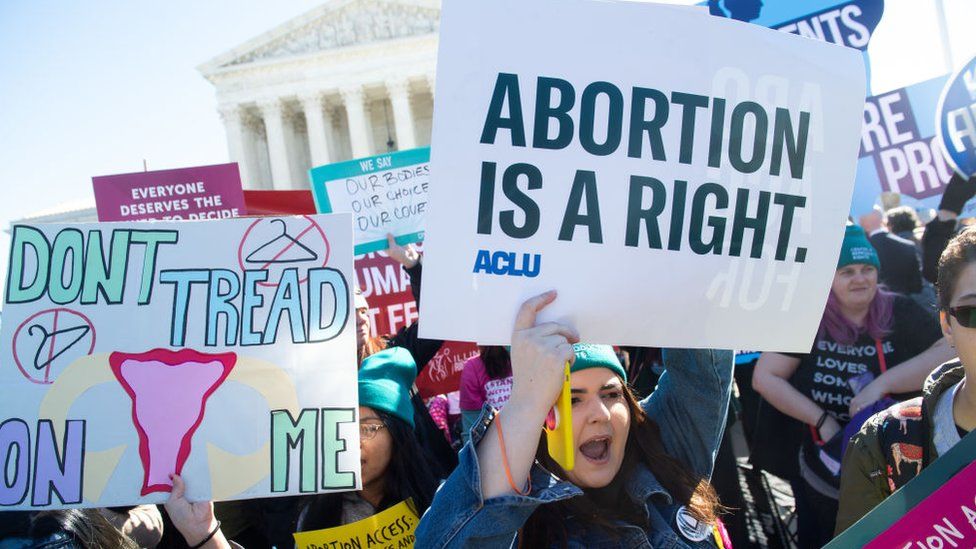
(881, 394)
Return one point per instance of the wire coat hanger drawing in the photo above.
(290, 241)
(37, 356)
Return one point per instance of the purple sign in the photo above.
(947, 518)
(202, 192)
(899, 149)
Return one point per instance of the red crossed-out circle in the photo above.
(310, 234)
(53, 318)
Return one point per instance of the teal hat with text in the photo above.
(589, 355)
(856, 248)
(385, 379)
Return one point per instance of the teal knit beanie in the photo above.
(589, 355)
(385, 379)
(856, 248)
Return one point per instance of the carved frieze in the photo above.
(356, 23)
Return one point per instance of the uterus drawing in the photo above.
(169, 392)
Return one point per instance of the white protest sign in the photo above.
(680, 180)
(220, 350)
(386, 193)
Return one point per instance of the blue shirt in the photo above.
(690, 405)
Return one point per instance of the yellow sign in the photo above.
(390, 529)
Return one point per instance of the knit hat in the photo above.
(589, 355)
(359, 299)
(385, 379)
(856, 248)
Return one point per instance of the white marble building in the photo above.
(348, 79)
(338, 82)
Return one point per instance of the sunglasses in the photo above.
(965, 315)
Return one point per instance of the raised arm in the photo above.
(480, 505)
(408, 336)
(690, 404)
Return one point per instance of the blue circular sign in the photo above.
(957, 120)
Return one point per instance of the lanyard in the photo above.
(881, 358)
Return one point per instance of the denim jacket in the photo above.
(689, 404)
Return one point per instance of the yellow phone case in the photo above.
(559, 433)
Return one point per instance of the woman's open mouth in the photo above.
(596, 450)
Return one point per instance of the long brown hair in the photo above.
(371, 346)
(546, 526)
(87, 527)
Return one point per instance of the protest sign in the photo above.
(220, 350)
(385, 194)
(936, 509)
(387, 289)
(202, 192)
(957, 120)
(948, 515)
(389, 529)
(672, 195)
(900, 151)
(280, 202)
(848, 23)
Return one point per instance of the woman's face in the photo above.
(855, 285)
(962, 338)
(375, 445)
(601, 422)
(362, 326)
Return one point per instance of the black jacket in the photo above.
(430, 436)
(900, 270)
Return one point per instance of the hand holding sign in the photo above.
(539, 355)
(404, 255)
(195, 521)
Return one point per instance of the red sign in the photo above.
(387, 289)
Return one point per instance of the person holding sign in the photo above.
(195, 521)
(394, 465)
(422, 350)
(641, 468)
(871, 344)
(896, 444)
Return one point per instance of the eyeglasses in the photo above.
(367, 431)
(965, 315)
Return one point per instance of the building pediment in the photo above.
(334, 25)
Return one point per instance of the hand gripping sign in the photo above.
(134, 351)
(679, 179)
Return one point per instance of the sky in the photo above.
(94, 88)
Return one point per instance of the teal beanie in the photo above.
(385, 379)
(589, 355)
(856, 248)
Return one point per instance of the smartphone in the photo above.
(559, 427)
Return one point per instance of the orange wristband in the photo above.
(508, 470)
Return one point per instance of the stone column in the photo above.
(430, 84)
(274, 126)
(358, 122)
(399, 91)
(232, 117)
(318, 140)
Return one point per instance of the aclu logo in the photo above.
(507, 263)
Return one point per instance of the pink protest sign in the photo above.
(201, 192)
(947, 518)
